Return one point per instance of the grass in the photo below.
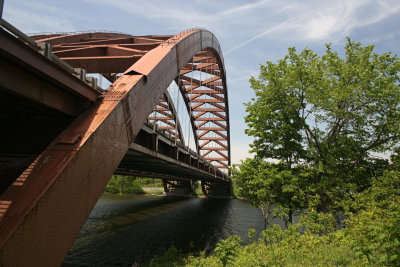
(153, 190)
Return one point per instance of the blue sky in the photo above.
(250, 32)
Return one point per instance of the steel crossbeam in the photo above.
(44, 207)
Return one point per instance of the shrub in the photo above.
(226, 250)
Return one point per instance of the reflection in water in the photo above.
(122, 230)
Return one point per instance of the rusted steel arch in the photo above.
(100, 52)
(206, 100)
(78, 38)
(48, 204)
(205, 97)
(166, 114)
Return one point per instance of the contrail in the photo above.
(257, 36)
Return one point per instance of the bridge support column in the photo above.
(43, 210)
(179, 187)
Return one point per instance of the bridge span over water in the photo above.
(63, 136)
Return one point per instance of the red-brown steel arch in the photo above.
(166, 118)
(50, 201)
(201, 80)
(206, 100)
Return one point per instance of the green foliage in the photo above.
(151, 182)
(323, 120)
(172, 257)
(370, 238)
(198, 191)
(251, 234)
(328, 114)
(202, 261)
(119, 184)
(318, 223)
(374, 230)
(271, 187)
(278, 247)
(226, 250)
(290, 248)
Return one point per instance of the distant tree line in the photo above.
(120, 184)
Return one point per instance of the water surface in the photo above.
(124, 230)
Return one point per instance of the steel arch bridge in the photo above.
(84, 135)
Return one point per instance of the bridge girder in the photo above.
(201, 81)
(45, 207)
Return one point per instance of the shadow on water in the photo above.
(123, 230)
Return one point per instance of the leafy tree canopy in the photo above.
(330, 114)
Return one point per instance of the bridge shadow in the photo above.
(134, 229)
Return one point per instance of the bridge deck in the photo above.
(154, 154)
(62, 139)
(41, 96)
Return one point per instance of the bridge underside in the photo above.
(153, 154)
(70, 138)
(143, 162)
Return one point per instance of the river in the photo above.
(129, 229)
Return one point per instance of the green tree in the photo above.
(374, 229)
(271, 187)
(330, 114)
(120, 184)
(253, 183)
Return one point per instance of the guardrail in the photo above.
(46, 50)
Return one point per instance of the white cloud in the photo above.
(267, 26)
(340, 17)
(237, 24)
(321, 20)
(236, 72)
(161, 10)
(240, 10)
(241, 24)
(239, 151)
(269, 30)
(182, 16)
(32, 17)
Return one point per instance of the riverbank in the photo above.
(159, 192)
(154, 191)
(119, 184)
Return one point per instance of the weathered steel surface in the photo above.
(169, 118)
(49, 202)
(44, 209)
(206, 99)
(201, 79)
(154, 153)
(101, 52)
(16, 51)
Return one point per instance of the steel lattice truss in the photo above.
(90, 131)
(202, 84)
(202, 89)
(105, 53)
(166, 117)
(201, 81)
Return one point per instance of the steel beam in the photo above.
(28, 58)
(44, 209)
